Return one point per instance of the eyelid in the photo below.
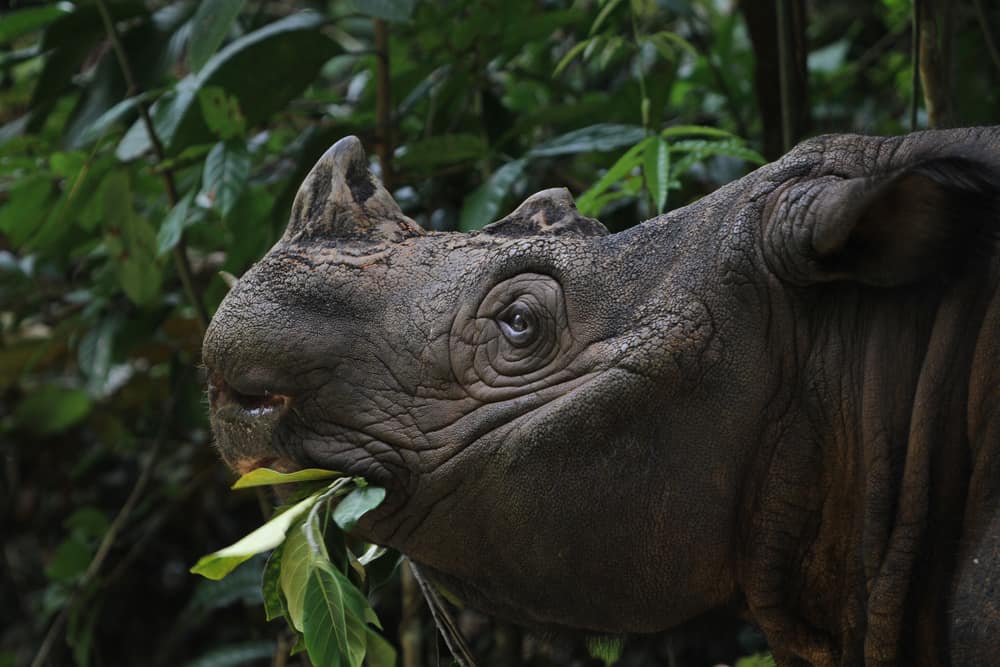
(517, 337)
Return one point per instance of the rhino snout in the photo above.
(244, 422)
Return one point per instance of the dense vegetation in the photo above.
(150, 148)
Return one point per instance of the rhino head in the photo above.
(610, 432)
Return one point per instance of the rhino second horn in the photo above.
(340, 200)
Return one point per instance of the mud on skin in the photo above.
(779, 401)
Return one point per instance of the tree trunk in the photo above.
(786, 117)
(937, 28)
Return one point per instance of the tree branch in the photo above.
(181, 263)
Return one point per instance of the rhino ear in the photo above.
(546, 212)
(341, 201)
(924, 221)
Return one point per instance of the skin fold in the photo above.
(780, 400)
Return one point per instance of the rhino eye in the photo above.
(517, 323)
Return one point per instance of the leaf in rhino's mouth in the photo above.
(316, 576)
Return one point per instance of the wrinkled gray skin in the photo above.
(780, 400)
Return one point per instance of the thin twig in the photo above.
(55, 630)
(181, 263)
(445, 623)
(383, 100)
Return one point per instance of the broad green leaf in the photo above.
(210, 25)
(356, 504)
(173, 225)
(378, 651)
(235, 655)
(444, 149)
(268, 477)
(390, 10)
(17, 23)
(656, 169)
(599, 137)
(222, 112)
(52, 409)
(332, 602)
(296, 560)
(262, 70)
(227, 168)
(271, 534)
(480, 208)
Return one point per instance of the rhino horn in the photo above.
(341, 200)
(550, 211)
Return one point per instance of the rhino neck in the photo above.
(850, 548)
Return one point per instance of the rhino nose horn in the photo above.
(340, 200)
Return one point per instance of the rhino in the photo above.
(782, 400)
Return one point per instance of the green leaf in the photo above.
(88, 523)
(235, 655)
(227, 168)
(656, 169)
(390, 10)
(267, 477)
(599, 137)
(210, 25)
(480, 208)
(220, 563)
(444, 149)
(23, 21)
(570, 56)
(606, 649)
(378, 651)
(106, 120)
(587, 203)
(222, 112)
(355, 504)
(166, 114)
(71, 559)
(52, 409)
(296, 560)
(335, 630)
(262, 70)
(270, 586)
(242, 585)
(173, 225)
(140, 279)
(609, 7)
(26, 208)
(695, 130)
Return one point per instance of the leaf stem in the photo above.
(181, 263)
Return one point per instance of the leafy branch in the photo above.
(181, 263)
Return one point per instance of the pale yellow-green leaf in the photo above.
(271, 534)
(268, 477)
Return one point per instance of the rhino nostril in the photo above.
(221, 393)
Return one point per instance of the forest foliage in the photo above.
(151, 149)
